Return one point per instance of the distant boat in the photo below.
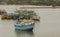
(15, 15)
(27, 25)
(36, 18)
(6, 16)
(29, 15)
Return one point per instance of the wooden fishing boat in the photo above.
(23, 25)
(6, 16)
(15, 15)
(3, 17)
(36, 18)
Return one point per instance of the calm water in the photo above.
(49, 25)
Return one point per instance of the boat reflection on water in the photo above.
(24, 34)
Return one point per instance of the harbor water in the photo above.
(49, 25)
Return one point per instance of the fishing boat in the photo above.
(6, 16)
(36, 18)
(30, 15)
(24, 25)
(15, 16)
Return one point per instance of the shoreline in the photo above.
(28, 6)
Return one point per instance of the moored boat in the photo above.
(36, 18)
(15, 15)
(29, 15)
(24, 25)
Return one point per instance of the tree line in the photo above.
(33, 2)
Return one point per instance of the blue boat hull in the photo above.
(27, 28)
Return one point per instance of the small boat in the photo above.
(24, 25)
(36, 18)
(6, 16)
(15, 15)
(3, 17)
(31, 15)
